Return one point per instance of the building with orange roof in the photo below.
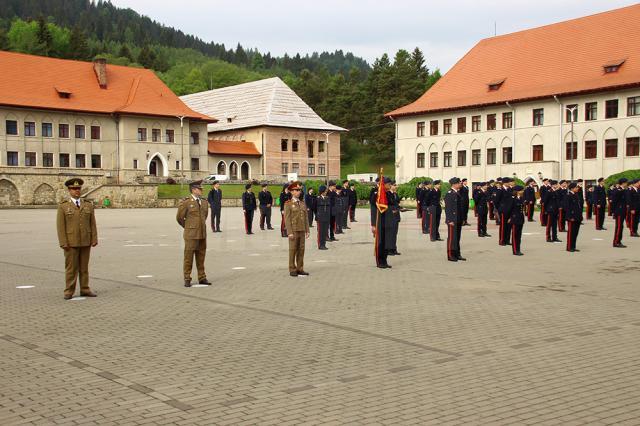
(105, 123)
(560, 101)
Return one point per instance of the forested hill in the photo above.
(342, 88)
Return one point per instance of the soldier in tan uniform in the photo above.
(77, 233)
(297, 226)
(192, 216)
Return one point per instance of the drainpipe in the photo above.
(561, 139)
(116, 117)
(513, 126)
(264, 159)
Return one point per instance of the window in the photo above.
(462, 158)
(507, 120)
(433, 159)
(155, 135)
(80, 161)
(96, 161)
(142, 134)
(310, 149)
(30, 159)
(311, 169)
(285, 168)
(420, 129)
(29, 128)
(47, 130)
(194, 139)
(95, 133)
(195, 164)
(538, 117)
(491, 121)
(611, 148)
(571, 149)
(475, 157)
(538, 153)
(11, 127)
(433, 128)
(169, 136)
(63, 160)
(507, 155)
(476, 121)
(283, 144)
(135, 163)
(12, 158)
(79, 131)
(633, 106)
(294, 145)
(591, 111)
(571, 113)
(420, 160)
(491, 156)
(47, 159)
(590, 149)
(63, 131)
(611, 109)
(321, 169)
(446, 126)
(447, 159)
(177, 164)
(295, 167)
(633, 147)
(320, 146)
(462, 124)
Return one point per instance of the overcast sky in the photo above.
(444, 30)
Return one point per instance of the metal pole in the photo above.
(181, 117)
(572, 144)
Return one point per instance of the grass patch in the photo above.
(365, 163)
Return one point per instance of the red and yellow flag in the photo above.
(381, 201)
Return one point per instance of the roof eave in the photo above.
(253, 126)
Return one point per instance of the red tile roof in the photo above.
(36, 82)
(560, 59)
(233, 148)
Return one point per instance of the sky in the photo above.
(443, 30)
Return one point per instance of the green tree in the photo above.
(45, 40)
(146, 57)
(4, 40)
(78, 47)
(125, 52)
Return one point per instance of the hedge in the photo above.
(629, 174)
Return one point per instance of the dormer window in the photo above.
(495, 84)
(63, 92)
(613, 66)
(229, 119)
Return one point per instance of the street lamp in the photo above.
(181, 117)
(572, 110)
(327, 170)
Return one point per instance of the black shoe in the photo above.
(619, 245)
(549, 240)
(518, 254)
(391, 254)
(293, 274)
(204, 281)
(557, 241)
(452, 259)
(502, 244)
(635, 235)
(270, 228)
(261, 228)
(303, 273)
(249, 233)
(439, 239)
(354, 220)
(187, 283)
(322, 248)
(310, 226)
(397, 253)
(347, 227)
(487, 235)
(461, 258)
(333, 239)
(573, 250)
(384, 266)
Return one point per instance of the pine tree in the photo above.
(4, 41)
(45, 40)
(78, 47)
(146, 58)
(125, 52)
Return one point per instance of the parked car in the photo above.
(219, 178)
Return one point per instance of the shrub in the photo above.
(629, 174)
(171, 181)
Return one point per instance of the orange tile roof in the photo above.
(233, 148)
(561, 59)
(35, 82)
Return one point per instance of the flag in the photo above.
(381, 201)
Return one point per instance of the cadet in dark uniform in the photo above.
(573, 211)
(265, 200)
(589, 200)
(496, 195)
(77, 233)
(215, 201)
(599, 204)
(297, 224)
(633, 206)
(378, 221)
(516, 219)
(505, 201)
(393, 201)
(419, 207)
(562, 219)
(310, 201)
(543, 190)
(323, 217)
(453, 218)
(482, 208)
(490, 190)
(464, 194)
(248, 208)
(530, 199)
(551, 212)
(345, 204)
(619, 209)
(192, 216)
(332, 200)
(284, 197)
(435, 212)
(338, 210)
(353, 202)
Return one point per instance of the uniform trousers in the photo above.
(572, 234)
(265, 215)
(505, 230)
(516, 237)
(599, 213)
(248, 220)
(215, 218)
(454, 230)
(323, 233)
(296, 251)
(617, 234)
(76, 265)
(197, 249)
(482, 221)
(552, 226)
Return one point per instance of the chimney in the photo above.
(100, 68)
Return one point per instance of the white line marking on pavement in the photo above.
(597, 239)
(238, 268)
(530, 233)
(320, 261)
(275, 245)
(255, 254)
(25, 286)
(199, 285)
(138, 245)
(78, 298)
(144, 276)
(231, 241)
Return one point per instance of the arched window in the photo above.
(222, 168)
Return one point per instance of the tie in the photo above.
(78, 203)
(200, 205)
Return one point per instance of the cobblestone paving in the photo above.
(548, 338)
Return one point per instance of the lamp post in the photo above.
(181, 118)
(572, 110)
(327, 170)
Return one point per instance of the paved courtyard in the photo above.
(547, 338)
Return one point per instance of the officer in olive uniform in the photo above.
(297, 225)
(77, 233)
(192, 216)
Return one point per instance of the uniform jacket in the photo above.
(353, 197)
(573, 207)
(192, 217)
(310, 201)
(332, 201)
(543, 190)
(296, 217)
(453, 206)
(464, 194)
(599, 196)
(506, 201)
(419, 194)
(551, 201)
(215, 198)
(76, 225)
(248, 201)
(481, 198)
(373, 196)
(284, 197)
(632, 199)
(393, 201)
(496, 196)
(265, 198)
(529, 195)
(516, 215)
(323, 209)
(338, 205)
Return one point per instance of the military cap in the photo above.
(499, 179)
(463, 180)
(622, 180)
(74, 183)
(545, 179)
(518, 188)
(437, 182)
(196, 184)
(454, 180)
(378, 179)
(562, 181)
(387, 180)
(579, 180)
(322, 188)
(295, 185)
(600, 179)
(492, 181)
(247, 186)
(634, 181)
(573, 185)
(425, 182)
(332, 183)
(264, 185)
(507, 180)
(483, 184)
(285, 186)
(214, 182)
(553, 182)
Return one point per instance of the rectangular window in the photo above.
(322, 169)
(311, 169)
(447, 159)
(571, 150)
(142, 134)
(420, 160)
(476, 122)
(420, 129)
(591, 111)
(538, 153)
(79, 131)
(283, 144)
(633, 106)
(475, 157)
(285, 168)
(321, 146)
(177, 164)
(433, 128)
(433, 159)
(30, 159)
(29, 128)
(538, 117)
(571, 113)
(462, 158)
(47, 159)
(195, 164)
(491, 156)
(633, 147)
(12, 158)
(590, 149)
(135, 163)
(80, 161)
(294, 145)
(611, 148)
(47, 130)
(310, 149)
(96, 161)
(295, 167)
(491, 121)
(462, 124)
(507, 155)
(95, 133)
(507, 120)
(446, 126)
(169, 135)
(11, 127)
(611, 109)
(194, 139)
(155, 135)
(63, 160)
(63, 131)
